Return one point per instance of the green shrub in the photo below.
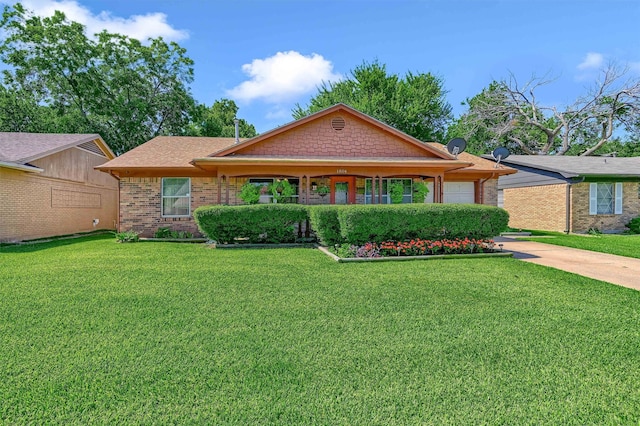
(250, 193)
(127, 237)
(377, 223)
(396, 192)
(420, 191)
(168, 233)
(162, 233)
(634, 225)
(258, 223)
(324, 222)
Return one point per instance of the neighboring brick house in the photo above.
(571, 194)
(351, 154)
(48, 185)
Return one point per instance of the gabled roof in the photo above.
(336, 108)
(21, 148)
(571, 167)
(168, 152)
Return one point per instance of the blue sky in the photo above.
(270, 55)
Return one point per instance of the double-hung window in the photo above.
(605, 198)
(176, 197)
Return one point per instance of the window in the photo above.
(176, 197)
(266, 197)
(605, 198)
(407, 193)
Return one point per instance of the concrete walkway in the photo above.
(620, 270)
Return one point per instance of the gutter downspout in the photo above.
(568, 205)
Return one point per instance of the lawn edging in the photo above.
(261, 245)
(175, 240)
(338, 259)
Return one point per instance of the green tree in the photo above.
(114, 85)
(218, 120)
(414, 104)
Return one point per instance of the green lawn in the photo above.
(98, 332)
(620, 244)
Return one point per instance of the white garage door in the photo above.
(459, 192)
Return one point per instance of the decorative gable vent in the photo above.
(337, 123)
(91, 146)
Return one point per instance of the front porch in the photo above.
(352, 189)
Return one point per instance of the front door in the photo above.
(343, 190)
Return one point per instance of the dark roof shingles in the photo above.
(24, 147)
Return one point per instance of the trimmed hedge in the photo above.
(258, 223)
(353, 224)
(360, 224)
(324, 222)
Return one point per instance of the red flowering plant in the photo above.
(418, 247)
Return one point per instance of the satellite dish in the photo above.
(456, 146)
(500, 154)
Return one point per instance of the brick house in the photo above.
(352, 156)
(571, 194)
(48, 185)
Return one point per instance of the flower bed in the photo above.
(415, 247)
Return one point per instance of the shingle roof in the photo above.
(169, 152)
(479, 163)
(579, 166)
(24, 147)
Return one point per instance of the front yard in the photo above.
(620, 244)
(98, 332)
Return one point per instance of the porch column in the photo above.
(220, 177)
(306, 195)
(439, 188)
(477, 185)
(226, 182)
(373, 189)
(380, 190)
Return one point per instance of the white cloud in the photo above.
(593, 60)
(283, 77)
(140, 27)
(278, 113)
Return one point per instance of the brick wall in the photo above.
(537, 207)
(34, 206)
(140, 202)
(490, 193)
(582, 221)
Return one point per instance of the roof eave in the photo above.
(21, 167)
(449, 164)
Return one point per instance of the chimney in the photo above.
(237, 122)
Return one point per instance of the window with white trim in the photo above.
(266, 197)
(605, 198)
(176, 197)
(407, 190)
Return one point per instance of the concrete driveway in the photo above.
(620, 270)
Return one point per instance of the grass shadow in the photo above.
(39, 245)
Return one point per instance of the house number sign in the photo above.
(341, 171)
